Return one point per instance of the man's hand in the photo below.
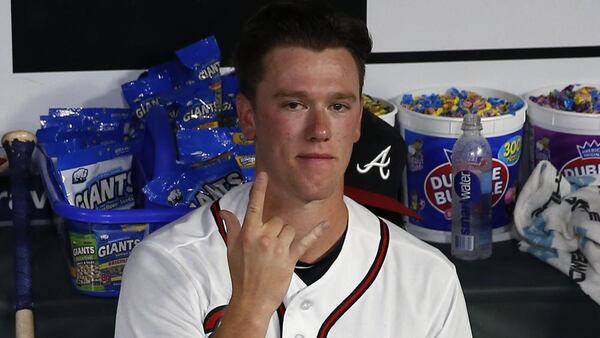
(262, 256)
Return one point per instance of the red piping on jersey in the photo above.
(280, 314)
(380, 201)
(213, 318)
(362, 286)
(215, 208)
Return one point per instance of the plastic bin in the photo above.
(98, 242)
(569, 140)
(427, 177)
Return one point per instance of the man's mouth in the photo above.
(316, 156)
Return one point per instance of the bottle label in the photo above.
(464, 242)
(467, 186)
(468, 190)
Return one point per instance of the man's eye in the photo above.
(293, 105)
(339, 107)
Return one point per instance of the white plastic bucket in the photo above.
(427, 177)
(569, 140)
(389, 117)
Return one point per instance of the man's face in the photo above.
(305, 118)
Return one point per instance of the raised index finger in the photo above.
(256, 200)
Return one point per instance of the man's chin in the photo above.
(319, 192)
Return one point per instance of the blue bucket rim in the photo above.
(70, 212)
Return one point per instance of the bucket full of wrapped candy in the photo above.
(565, 128)
(430, 122)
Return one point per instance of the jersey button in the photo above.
(299, 336)
(306, 305)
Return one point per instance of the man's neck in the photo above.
(305, 216)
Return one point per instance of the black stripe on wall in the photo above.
(75, 35)
(485, 54)
(72, 35)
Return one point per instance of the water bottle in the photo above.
(471, 193)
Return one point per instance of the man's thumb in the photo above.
(232, 224)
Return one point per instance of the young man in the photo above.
(289, 255)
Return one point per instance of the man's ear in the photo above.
(245, 112)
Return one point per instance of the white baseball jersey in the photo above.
(384, 283)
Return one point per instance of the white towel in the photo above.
(558, 219)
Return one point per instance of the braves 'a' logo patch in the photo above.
(382, 160)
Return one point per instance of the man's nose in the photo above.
(319, 125)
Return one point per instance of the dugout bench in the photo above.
(510, 295)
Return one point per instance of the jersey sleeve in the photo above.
(453, 312)
(157, 298)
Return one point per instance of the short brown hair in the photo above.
(308, 24)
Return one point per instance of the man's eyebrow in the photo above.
(344, 96)
(285, 93)
(303, 94)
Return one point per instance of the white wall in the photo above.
(23, 97)
(438, 25)
(417, 25)
(515, 76)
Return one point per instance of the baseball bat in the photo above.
(19, 147)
